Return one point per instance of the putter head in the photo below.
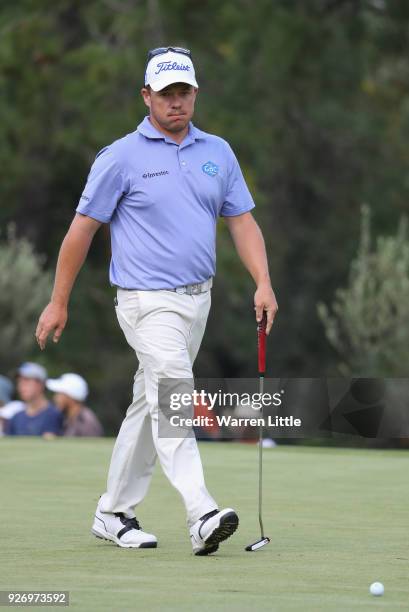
(258, 544)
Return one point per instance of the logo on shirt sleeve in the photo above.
(210, 168)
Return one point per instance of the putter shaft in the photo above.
(260, 459)
(261, 337)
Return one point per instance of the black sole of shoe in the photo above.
(207, 551)
(228, 525)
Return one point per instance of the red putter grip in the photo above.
(261, 342)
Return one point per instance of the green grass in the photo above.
(337, 518)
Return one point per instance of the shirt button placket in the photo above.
(182, 163)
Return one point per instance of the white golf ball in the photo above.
(376, 589)
(268, 443)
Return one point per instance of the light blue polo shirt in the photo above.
(162, 201)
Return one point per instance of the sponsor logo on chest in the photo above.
(148, 175)
(210, 168)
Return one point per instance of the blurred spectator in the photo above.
(71, 391)
(7, 412)
(6, 390)
(39, 417)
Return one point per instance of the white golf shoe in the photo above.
(211, 529)
(125, 532)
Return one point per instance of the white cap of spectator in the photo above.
(72, 385)
(32, 370)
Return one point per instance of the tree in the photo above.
(313, 96)
(369, 322)
(23, 286)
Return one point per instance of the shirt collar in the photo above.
(149, 131)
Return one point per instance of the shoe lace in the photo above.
(128, 522)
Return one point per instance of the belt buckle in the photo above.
(196, 289)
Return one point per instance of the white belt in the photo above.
(195, 288)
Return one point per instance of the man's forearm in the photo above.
(73, 252)
(70, 260)
(249, 243)
(250, 246)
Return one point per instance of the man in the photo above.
(6, 390)
(70, 393)
(39, 417)
(161, 188)
(7, 412)
(7, 407)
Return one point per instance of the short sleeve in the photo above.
(104, 188)
(238, 199)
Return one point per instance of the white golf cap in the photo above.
(32, 370)
(170, 67)
(72, 385)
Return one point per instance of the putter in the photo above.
(261, 343)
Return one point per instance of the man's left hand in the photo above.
(264, 299)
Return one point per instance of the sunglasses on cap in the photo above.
(161, 50)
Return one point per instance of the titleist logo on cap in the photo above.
(168, 68)
(162, 66)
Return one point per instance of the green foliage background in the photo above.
(313, 95)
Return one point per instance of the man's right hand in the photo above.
(52, 319)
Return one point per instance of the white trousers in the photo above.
(165, 329)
